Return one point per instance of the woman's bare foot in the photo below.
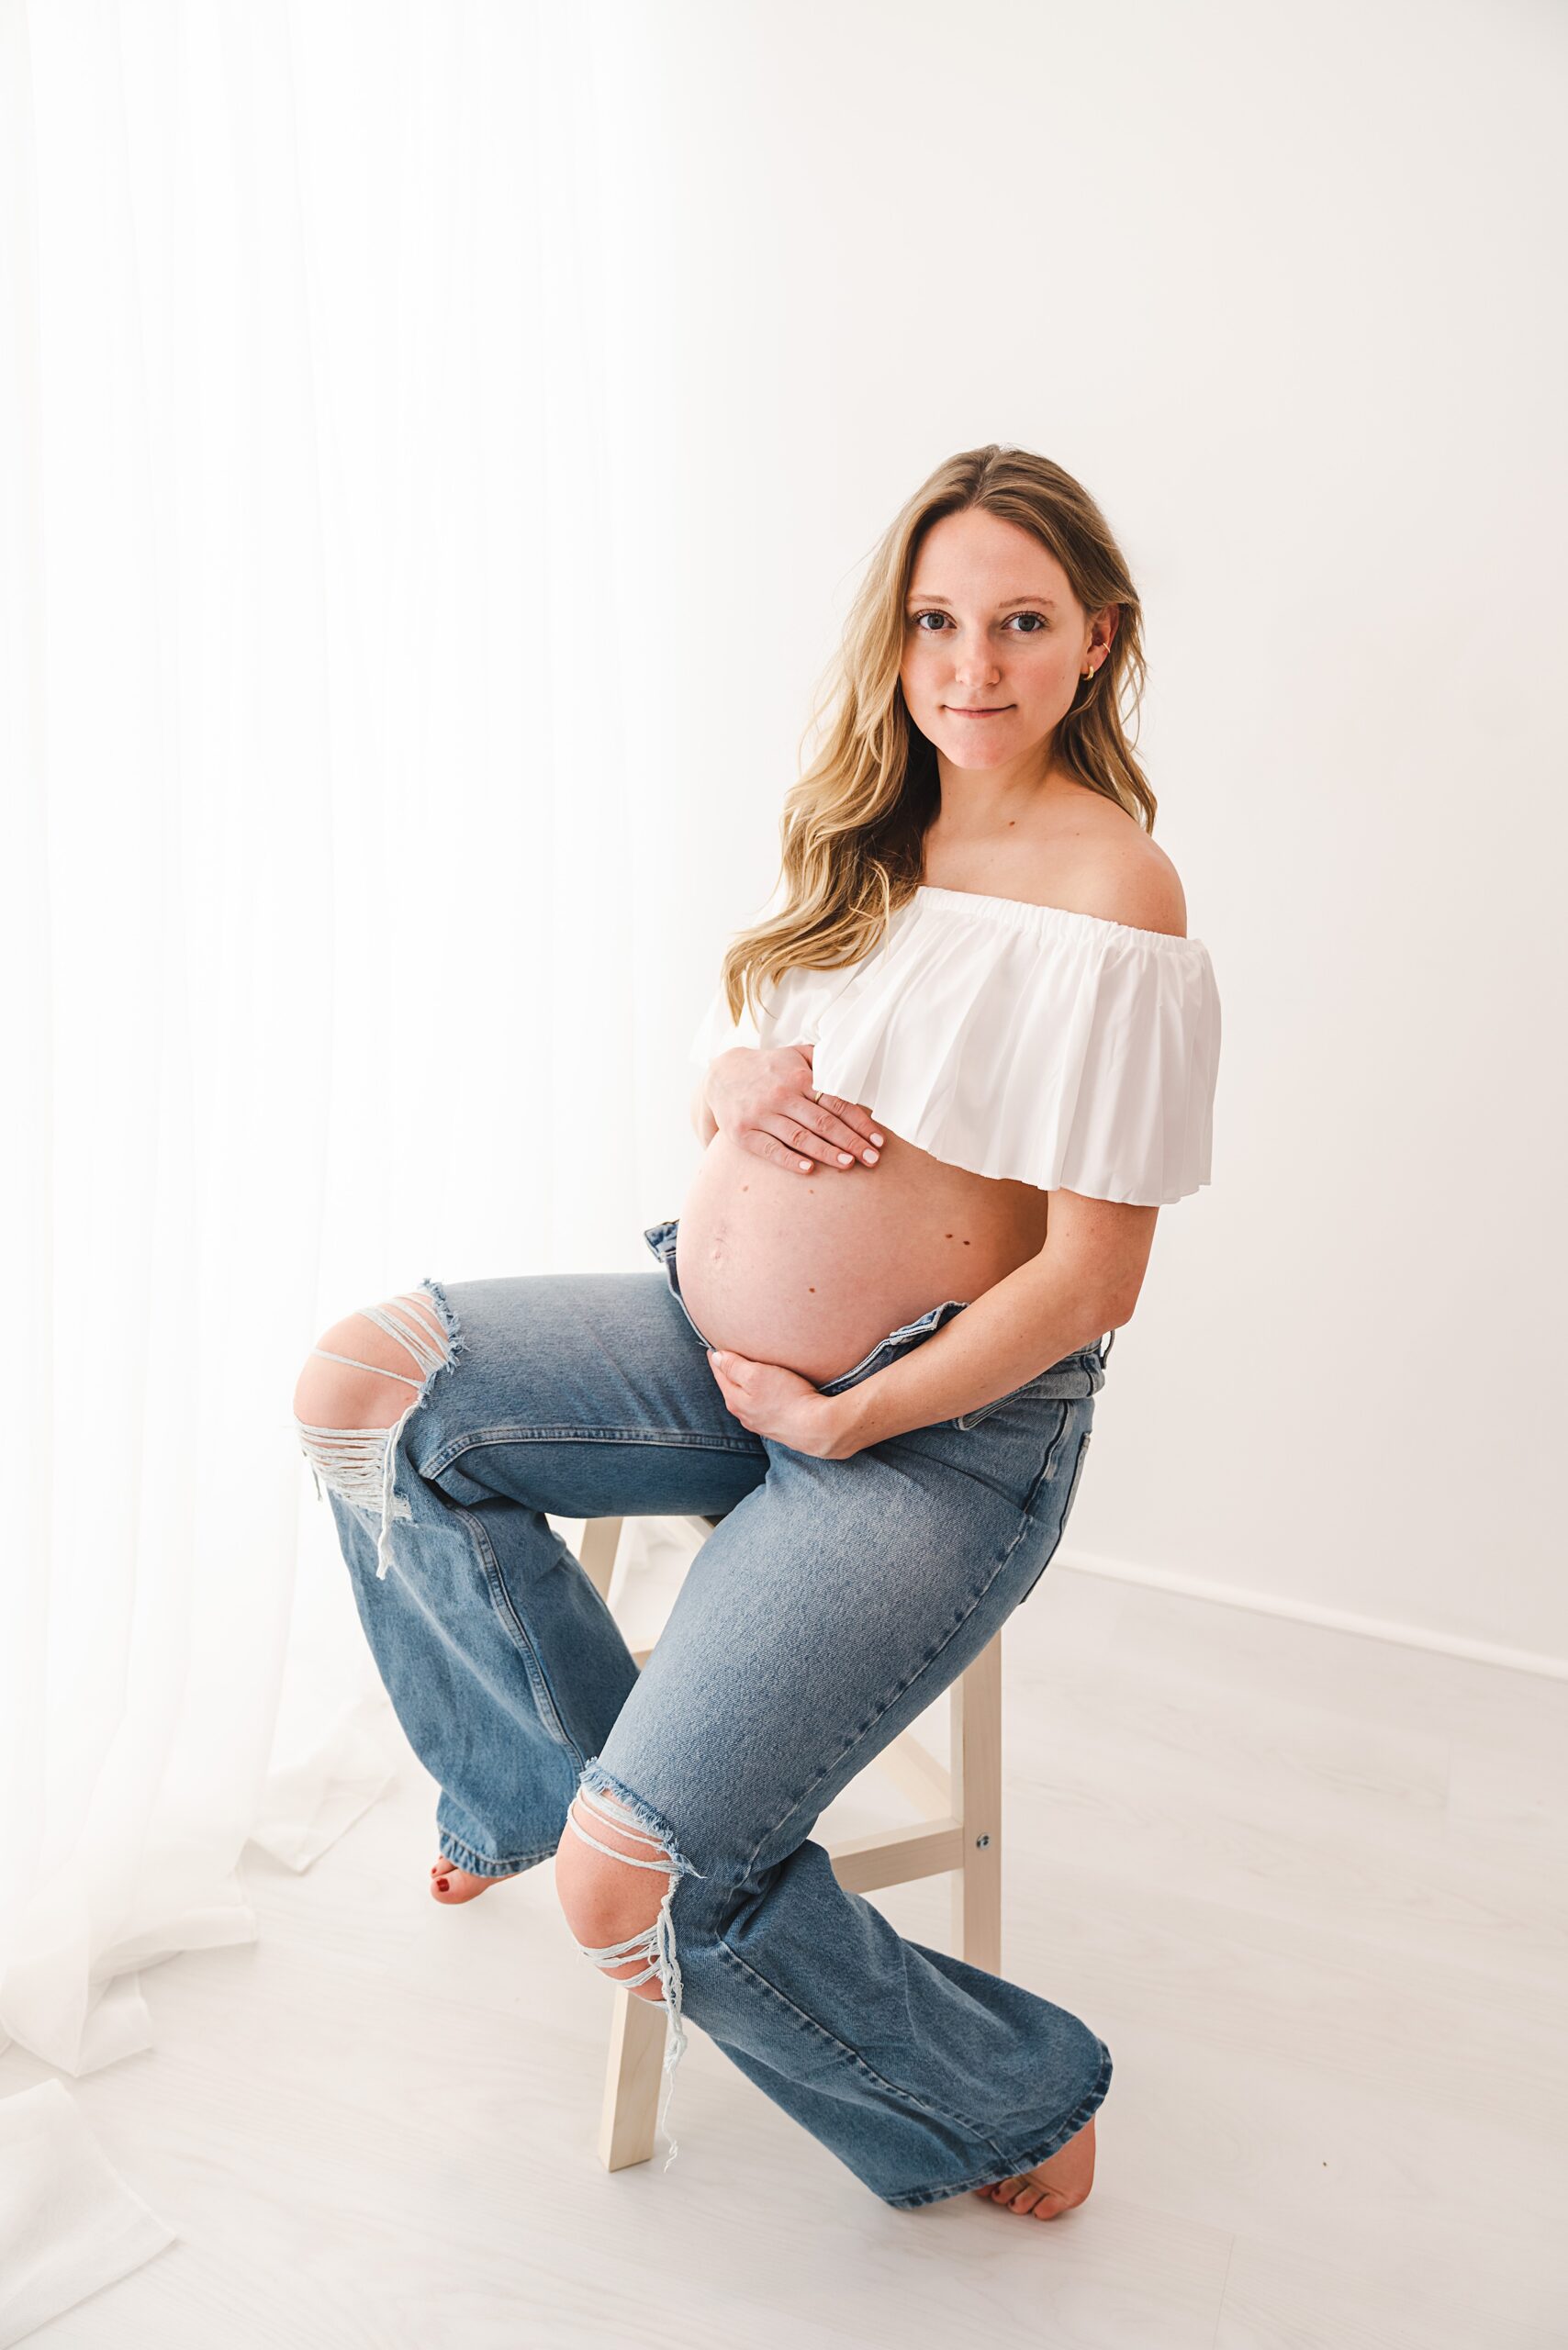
(449, 1884)
(1054, 2186)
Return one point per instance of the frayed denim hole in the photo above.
(359, 1463)
(603, 1795)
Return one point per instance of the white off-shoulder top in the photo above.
(1057, 1048)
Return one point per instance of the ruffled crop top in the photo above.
(1057, 1048)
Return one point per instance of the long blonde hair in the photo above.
(853, 826)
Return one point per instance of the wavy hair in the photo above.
(853, 828)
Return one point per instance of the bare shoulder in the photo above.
(1106, 865)
(1139, 885)
(1085, 855)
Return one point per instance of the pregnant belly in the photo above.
(812, 1270)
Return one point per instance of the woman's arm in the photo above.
(1023, 1323)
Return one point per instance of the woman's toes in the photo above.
(451, 1883)
(1028, 2193)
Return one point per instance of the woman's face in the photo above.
(990, 624)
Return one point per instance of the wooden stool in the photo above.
(960, 1832)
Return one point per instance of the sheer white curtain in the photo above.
(323, 891)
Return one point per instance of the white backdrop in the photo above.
(1280, 287)
(436, 451)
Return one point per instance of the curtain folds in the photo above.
(308, 480)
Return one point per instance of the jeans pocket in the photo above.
(1077, 1474)
(1057, 1516)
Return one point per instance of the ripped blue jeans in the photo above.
(834, 1604)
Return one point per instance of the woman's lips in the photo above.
(1000, 710)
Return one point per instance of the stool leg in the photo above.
(630, 2117)
(975, 1768)
(596, 1547)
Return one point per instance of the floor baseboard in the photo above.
(1303, 1611)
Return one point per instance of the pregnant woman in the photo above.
(945, 1088)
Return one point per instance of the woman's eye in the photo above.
(942, 616)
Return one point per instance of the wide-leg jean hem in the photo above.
(1039, 2151)
(451, 1848)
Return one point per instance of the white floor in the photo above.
(1310, 1888)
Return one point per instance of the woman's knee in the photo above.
(610, 1907)
(352, 1402)
(615, 1883)
(360, 1374)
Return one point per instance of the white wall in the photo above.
(1283, 288)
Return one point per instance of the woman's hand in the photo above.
(764, 1099)
(774, 1401)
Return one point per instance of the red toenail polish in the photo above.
(443, 1884)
